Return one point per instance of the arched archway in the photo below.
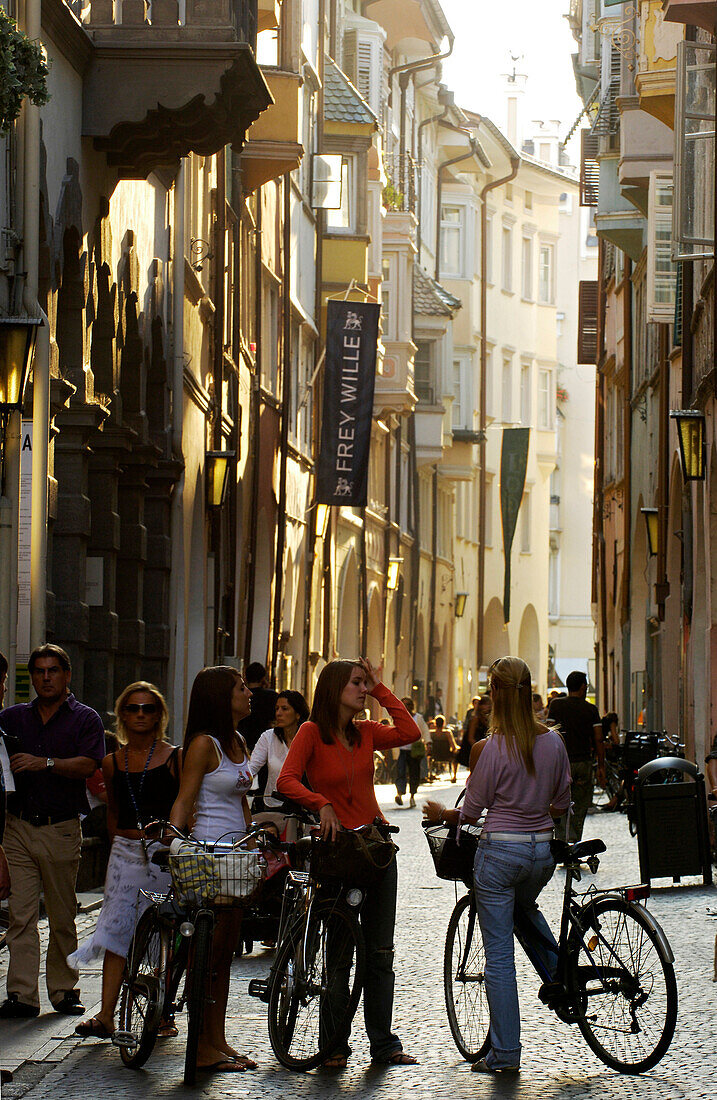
(496, 633)
(529, 641)
(347, 634)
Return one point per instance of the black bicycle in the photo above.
(615, 976)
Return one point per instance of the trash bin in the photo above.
(672, 833)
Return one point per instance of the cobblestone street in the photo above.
(556, 1061)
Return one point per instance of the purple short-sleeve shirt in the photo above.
(74, 730)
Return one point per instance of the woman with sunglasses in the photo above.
(522, 778)
(142, 780)
(215, 782)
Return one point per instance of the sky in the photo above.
(486, 34)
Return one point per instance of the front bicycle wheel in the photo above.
(315, 985)
(624, 985)
(143, 988)
(464, 982)
(196, 986)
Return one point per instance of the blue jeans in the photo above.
(509, 874)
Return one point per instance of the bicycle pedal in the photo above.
(125, 1039)
(259, 987)
(551, 993)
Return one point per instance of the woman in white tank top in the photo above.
(215, 780)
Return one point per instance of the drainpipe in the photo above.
(431, 663)
(284, 439)
(627, 438)
(178, 590)
(40, 463)
(255, 439)
(482, 399)
(662, 587)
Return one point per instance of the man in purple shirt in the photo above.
(55, 744)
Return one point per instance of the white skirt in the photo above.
(129, 873)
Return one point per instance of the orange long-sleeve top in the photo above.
(341, 776)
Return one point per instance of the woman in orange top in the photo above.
(336, 754)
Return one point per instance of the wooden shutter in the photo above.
(587, 320)
(589, 168)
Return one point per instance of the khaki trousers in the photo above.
(44, 857)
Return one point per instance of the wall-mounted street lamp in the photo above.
(652, 527)
(461, 598)
(17, 341)
(217, 465)
(691, 434)
(323, 511)
(393, 573)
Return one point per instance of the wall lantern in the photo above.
(218, 464)
(17, 341)
(323, 511)
(652, 527)
(393, 573)
(461, 598)
(691, 434)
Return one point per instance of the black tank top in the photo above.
(159, 791)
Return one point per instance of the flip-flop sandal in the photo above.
(224, 1065)
(168, 1031)
(400, 1058)
(338, 1061)
(248, 1063)
(92, 1029)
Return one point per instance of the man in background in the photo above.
(263, 704)
(580, 725)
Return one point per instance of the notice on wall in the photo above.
(24, 544)
(349, 379)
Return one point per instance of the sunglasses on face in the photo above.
(135, 708)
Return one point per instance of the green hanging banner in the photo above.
(513, 462)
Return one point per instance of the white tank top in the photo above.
(219, 807)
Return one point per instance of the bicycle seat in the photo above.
(573, 853)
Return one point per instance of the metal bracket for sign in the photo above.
(353, 285)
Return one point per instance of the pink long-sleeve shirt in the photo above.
(516, 801)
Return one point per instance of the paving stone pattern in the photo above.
(556, 1062)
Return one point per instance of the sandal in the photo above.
(336, 1061)
(168, 1030)
(92, 1029)
(248, 1063)
(224, 1065)
(400, 1058)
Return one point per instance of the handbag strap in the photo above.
(363, 845)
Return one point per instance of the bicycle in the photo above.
(173, 940)
(314, 986)
(615, 975)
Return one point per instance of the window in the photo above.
(388, 325)
(528, 200)
(527, 268)
(452, 239)
(661, 272)
(525, 523)
(489, 512)
(694, 151)
(489, 248)
(363, 63)
(554, 583)
(546, 274)
(545, 400)
(507, 240)
(509, 192)
(506, 399)
(270, 341)
(525, 402)
(587, 320)
(344, 219)
(545, 152)
(423, 379)
(462, 413)
(489, 383)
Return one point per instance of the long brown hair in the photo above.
(210, 706)
(162, 717)
(325, 709)
(512, 714)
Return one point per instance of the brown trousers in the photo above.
(44, 857)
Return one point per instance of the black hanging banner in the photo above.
(513, 462)
(349, 377)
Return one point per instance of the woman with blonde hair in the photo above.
(522, 779)
(142, 780)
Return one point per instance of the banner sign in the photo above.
(349, 377)
(513, 462)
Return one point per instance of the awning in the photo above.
(565, 665)
(689, 11)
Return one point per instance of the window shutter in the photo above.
(677, 328)
(362, 63)
(661, 272)
(694, 168)
(589, 168)
(587, 320)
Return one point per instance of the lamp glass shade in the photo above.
(17, 340)
(393, 573)
(461, 598)
(323, 512)
(218, 463)
(691, 434)
(652, 526)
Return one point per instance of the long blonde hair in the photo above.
(162, 716)
(512, 714)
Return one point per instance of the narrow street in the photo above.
(556, 1061)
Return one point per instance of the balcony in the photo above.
(616, 218)
(400, 195)
(419, 21)
(655, 77)
(646, 145)
(394, 390)
(460, 460)
(156, 89)
(273, 144)
(430, 417)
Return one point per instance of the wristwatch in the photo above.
(50, 762)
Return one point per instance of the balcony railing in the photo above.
(239, 14)
(401, 190)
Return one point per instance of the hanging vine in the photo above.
(23, 72)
